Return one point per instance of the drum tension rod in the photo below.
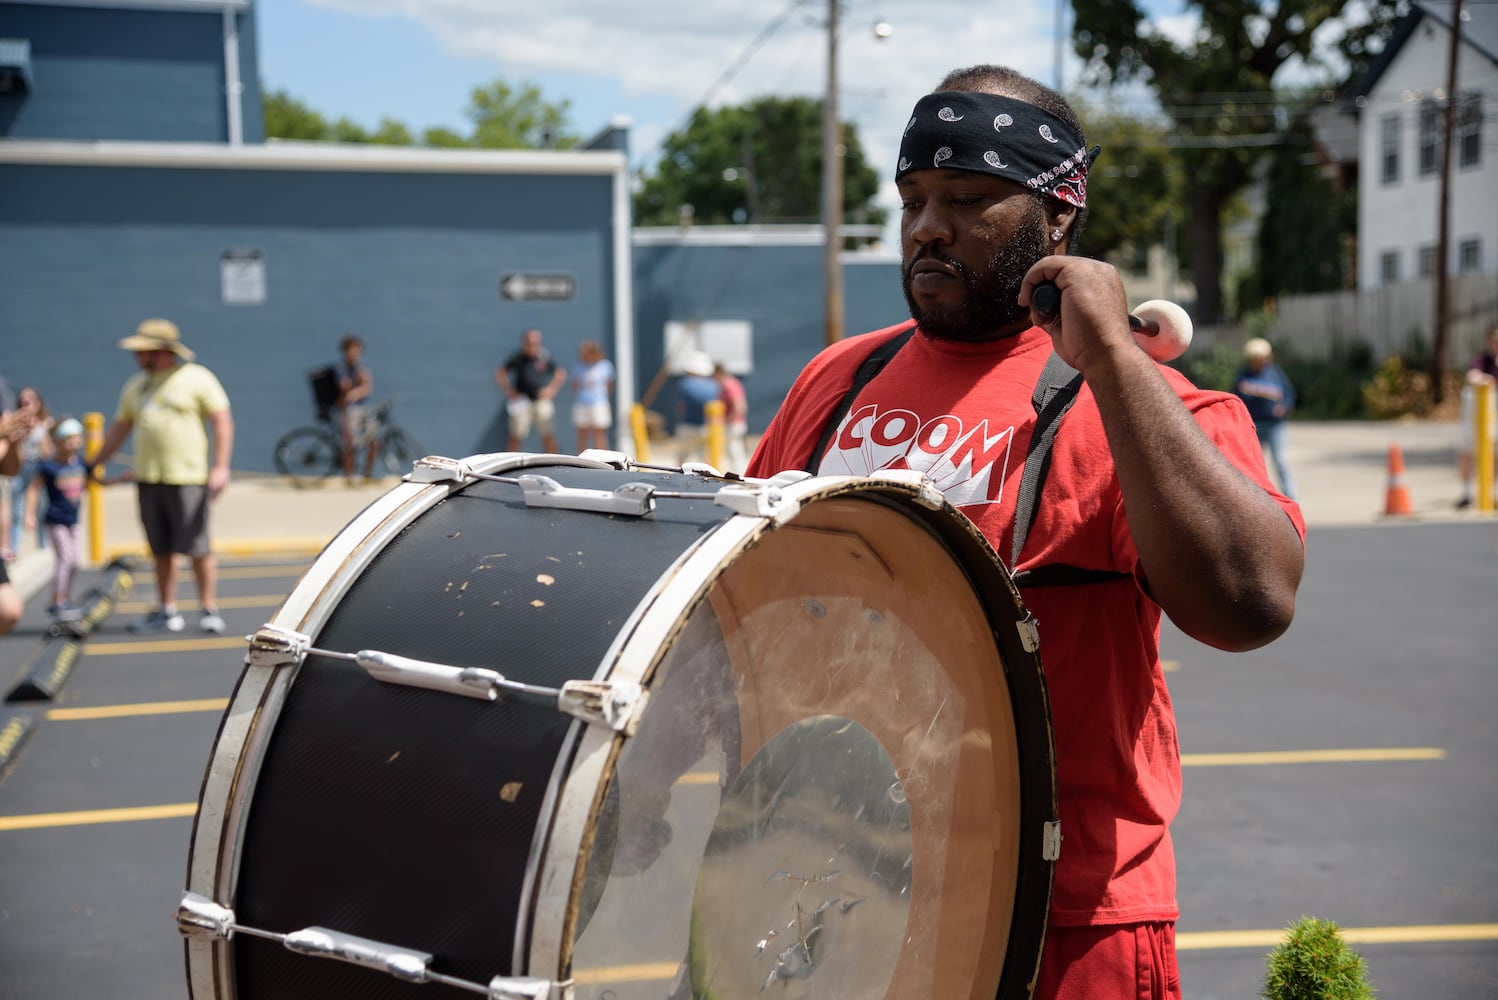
(614, 704)
(199, 916)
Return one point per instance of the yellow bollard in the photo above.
(641, 431)
(714, 412)
(93, 440)
(1482, 442)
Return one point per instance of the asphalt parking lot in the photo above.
(1343, 772)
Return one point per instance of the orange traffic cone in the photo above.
(1397, 499)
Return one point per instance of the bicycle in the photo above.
(315, 452)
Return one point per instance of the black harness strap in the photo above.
(1055, 392)
(872, 365)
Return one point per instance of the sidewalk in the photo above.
(1342, 470)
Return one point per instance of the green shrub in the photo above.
(1314, 963)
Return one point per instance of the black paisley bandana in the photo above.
(1000, 136)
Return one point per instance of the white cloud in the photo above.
(664, 55)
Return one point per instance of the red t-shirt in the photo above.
(962, 414)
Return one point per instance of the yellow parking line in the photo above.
(139, 708)
(641, 972)
(165, 646)
(1311, 756)
(257, 601)
(1170, 666)
(87, 817)
(290, 571)
(1419, 934)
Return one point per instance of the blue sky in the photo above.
(651, 61)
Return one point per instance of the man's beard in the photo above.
(990, 304)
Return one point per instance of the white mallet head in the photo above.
(1162, 329)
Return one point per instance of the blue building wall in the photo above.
(103, 73)
(409, 261)
(778, 289)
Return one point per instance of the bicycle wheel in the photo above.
(397, 452)
(309, 453)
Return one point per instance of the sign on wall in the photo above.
(729, 342)
(242, 277)
(534, 287)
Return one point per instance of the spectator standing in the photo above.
(355, 421)
(35, 446)
(1482, 371)
(61, 479)
(735, 417)
(170, 405)
(694, 391)
(11, 605)
(593, 393)
(530, 380)
(1270, 398)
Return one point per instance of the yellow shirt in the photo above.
(168, 409)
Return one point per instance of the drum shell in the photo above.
(354, 771)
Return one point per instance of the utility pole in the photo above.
(832, 189)
(1442, 351)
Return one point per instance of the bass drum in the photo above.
(545, 726)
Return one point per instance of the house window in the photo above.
(1469, 257)
(1430, 138)
(1139, 260)
(1389, 139)
(1388, 267)
(1469, 130)
(1425, 264)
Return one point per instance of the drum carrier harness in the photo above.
(1055, 392)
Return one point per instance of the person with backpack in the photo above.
(1117, 490)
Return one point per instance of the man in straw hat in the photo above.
(167, 405)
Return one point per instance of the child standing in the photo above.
(63, 478)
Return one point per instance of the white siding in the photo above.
(1401, 217)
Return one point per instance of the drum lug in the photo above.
(613, 459)
(1050, 849)
(758, 501)
(632, 499)
(199, 916)
(437, 469)
(1029, 633)
(614, 704)
(525, 988)
(274, 646)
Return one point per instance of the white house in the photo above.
(1401, 102)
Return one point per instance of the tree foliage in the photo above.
(1304, 236)
(1133, 186)
(503, 117)
(759, 162)
(506, 117)
(1218, 88)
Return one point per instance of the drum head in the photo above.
(825, 797)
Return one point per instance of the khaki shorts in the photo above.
(527, 413)
(175, 518)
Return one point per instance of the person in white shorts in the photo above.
(593, 387)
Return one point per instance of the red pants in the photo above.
(1119, 962)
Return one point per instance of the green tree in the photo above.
(506, 117)
(1218, 89)
(1305, 233)
(288, 118)
(759, 162)
(391, 133)
(1133, 186)
(443, 138)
